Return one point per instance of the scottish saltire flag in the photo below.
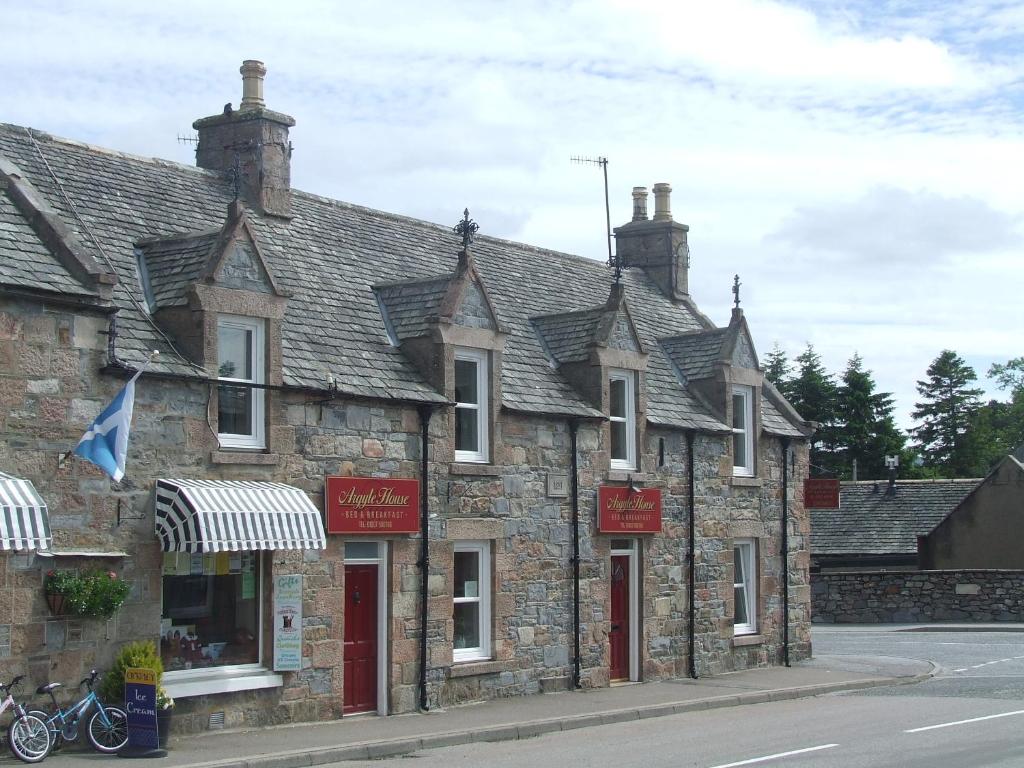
(105, 443)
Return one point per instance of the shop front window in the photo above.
(211, 610)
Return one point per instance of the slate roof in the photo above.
(173, 264)
(695, 353)
(871, 522)
(570, 336)
(26, 262)
(411, 305)
(328, 257)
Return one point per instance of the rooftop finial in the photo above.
(467, 228)
(736, 290)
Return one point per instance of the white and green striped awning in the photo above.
(233, 515)
(24, 523)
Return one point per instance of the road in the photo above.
(971, 715)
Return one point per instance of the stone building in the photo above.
(510, 456)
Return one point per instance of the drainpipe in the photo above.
(575, 472)
(691, 552)
(785, 551)
(425, 412)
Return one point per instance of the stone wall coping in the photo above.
(460, 468)
(471, 668)
(244, 457)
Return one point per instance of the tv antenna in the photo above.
(603, 162)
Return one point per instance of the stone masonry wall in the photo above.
(917, 596)
(51, 388)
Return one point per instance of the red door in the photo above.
(619, 635)
(360, 638)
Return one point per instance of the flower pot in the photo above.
(163, 725)
(56, 603)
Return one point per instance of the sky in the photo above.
(857, 164)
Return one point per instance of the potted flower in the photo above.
(97, 593)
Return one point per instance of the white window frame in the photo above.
(230, 677)
(629, 378)
(480, 358)
(747, 550)
(746, 432)
(257, 438)
(483, 598)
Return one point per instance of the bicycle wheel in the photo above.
(29, 738)
(56, 739)
(108, 729)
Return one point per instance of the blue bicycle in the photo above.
(108, 726)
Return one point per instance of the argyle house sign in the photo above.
(623, 510)
(371, 505)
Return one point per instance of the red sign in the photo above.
(621, 510)
(372, 505)
(821, 493)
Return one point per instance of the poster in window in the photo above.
(288, 623)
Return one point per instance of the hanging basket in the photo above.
(56, 603)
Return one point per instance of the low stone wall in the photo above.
(869, 597)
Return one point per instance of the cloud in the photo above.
(892, 226)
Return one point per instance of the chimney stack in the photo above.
(656, 245)
(253, 73)
(662, 202)
(250, 146)
(639, 203)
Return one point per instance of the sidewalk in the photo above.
(364, 737)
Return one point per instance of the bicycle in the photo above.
(108, 726)
(28, 736)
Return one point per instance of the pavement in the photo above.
(369, 736)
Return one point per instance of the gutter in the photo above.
(691, 553)
(785, 551)
(425, 411)
(575, 491)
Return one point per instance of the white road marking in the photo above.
(964, 722)
(753, 760)
(986, 663)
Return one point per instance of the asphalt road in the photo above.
(971, 715)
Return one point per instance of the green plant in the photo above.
(96, 593)
(142, 653)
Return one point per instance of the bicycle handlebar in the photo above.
(14, 683)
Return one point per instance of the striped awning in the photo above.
(24, 523)
(232, 515)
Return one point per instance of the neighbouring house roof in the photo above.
(871, 521)
(333, 259)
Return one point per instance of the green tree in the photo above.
(777, 368)
(813, 393)
(948, 406)
(865, 429)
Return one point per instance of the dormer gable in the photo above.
(597, 335)
(230, 257)
(191, 279)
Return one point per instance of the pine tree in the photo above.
(865, 431)
(946, 412)
(777, 368)
(813, 393)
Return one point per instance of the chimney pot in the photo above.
(639, 203)
(662, 202)
(253, 73)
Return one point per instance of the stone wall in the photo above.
(917, 596)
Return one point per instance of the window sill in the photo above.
(626, 475)
(204, 682)
(741, 640)
(462, 468)
(745, 482)
(469, 668)
(244, 457)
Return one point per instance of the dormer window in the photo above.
(471, 406)
(622, 416)
(240, 362)
(742, 431)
